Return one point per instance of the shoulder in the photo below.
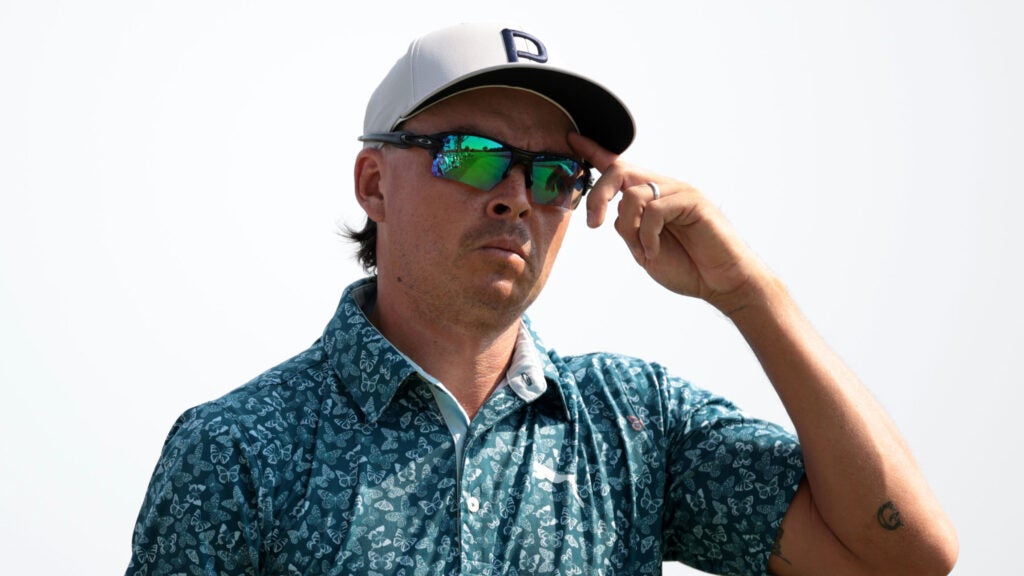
(625, 387)
(261, 419)
(604, 374)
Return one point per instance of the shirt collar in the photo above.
(372, 369)
(525, 374)
(533, 360)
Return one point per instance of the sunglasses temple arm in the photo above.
(401, 139)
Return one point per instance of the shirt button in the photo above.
(472, 504)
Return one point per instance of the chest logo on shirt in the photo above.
(543, 472)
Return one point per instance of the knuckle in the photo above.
(620, 226)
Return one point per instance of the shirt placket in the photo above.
(476, 489)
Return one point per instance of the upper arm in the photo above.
(200, 504)
(730, 479)
(804, 544)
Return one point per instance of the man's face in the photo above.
(457, 252)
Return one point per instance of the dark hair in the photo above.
(367, 241)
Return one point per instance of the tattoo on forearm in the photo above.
(889, 516)
(777, 547)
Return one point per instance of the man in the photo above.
(429, 431)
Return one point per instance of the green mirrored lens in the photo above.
(474, 160)
(556, 182)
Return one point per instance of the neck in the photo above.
(470, 360)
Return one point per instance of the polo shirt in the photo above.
(340, 461)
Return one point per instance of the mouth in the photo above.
(508, 246)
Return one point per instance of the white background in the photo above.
(173, 176)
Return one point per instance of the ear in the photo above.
(368, 175)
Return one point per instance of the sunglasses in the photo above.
(483, 162)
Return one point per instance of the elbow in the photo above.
(944, 547)
(931, 553)
(939, 553)
(947, 553)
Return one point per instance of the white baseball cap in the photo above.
(467, 56)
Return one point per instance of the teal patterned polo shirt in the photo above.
(339, 461)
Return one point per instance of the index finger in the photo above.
(591, 151)
(610, 182)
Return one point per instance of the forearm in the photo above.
(859, 470)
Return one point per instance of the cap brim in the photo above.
(598, 114)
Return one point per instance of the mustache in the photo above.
(493, 230)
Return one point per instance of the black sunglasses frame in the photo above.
(434, 143)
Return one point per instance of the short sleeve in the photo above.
(730, 480)
(200, 512)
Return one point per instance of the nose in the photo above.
(511, 197)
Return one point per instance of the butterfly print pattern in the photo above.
(338, 461)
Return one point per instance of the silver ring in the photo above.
(655, 189)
